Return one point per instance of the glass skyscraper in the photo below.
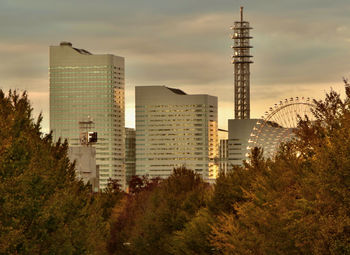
(89, 88)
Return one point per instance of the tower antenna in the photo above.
(241, 60)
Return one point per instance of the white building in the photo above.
(223, 150)
(239, 131)
(242, 138)
(175, 129)
(85, 86)
(85, 164)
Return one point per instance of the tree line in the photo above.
(296, 202)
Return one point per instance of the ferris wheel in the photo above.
(278, 123)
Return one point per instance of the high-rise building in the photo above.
(175, 129)
(130, 153)
(84, 87)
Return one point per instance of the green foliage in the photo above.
(43, 209)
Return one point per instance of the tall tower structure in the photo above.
(241, 60)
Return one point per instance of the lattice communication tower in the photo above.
(241, 59)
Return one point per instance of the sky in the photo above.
(301, 47)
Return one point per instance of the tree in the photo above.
(229, 190)
(194, 238)
(159, 213)
(298, 201)
(109, 197)
(126, 214)
(140, 184)
(43, 208)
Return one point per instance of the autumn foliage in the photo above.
(294, 203)
(146, 221)
(297, 202)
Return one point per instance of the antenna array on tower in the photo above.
(242, 60)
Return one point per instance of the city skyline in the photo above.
(300, 49)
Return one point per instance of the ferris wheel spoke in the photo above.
(285, 115)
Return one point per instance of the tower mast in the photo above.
(241, 60)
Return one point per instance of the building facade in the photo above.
(223, 150)
(175, 129)
(85, 87)
(85, 165)
(239, 132)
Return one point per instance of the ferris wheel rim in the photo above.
(292, 105)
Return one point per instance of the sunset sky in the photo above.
(301, 47)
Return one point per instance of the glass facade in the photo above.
(174, 130)
(87, 87)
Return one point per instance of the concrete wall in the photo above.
(85, 164)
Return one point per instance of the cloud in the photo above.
(299, 46)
